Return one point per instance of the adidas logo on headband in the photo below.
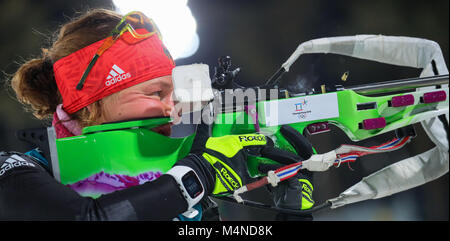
(115, 75)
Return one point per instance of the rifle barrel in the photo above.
(399, 85)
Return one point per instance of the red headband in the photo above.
(124, 64)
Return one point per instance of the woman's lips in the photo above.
(165, 129)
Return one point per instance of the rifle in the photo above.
(362, 112)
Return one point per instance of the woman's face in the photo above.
(152, 98)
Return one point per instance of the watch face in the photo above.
(192, 184)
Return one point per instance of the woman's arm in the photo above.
(28, 192)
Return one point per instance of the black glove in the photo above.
(221, 162)
(295, 192)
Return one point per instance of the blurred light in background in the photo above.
(173, 18)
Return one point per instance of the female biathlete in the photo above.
(103, 68)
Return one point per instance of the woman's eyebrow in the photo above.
(158, 85)
(153, 85)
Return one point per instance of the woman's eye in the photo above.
(156, 94)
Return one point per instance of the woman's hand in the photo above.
(295, 192)
(221, 162)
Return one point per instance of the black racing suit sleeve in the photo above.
(28, 192)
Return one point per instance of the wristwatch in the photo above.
(189, 184)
